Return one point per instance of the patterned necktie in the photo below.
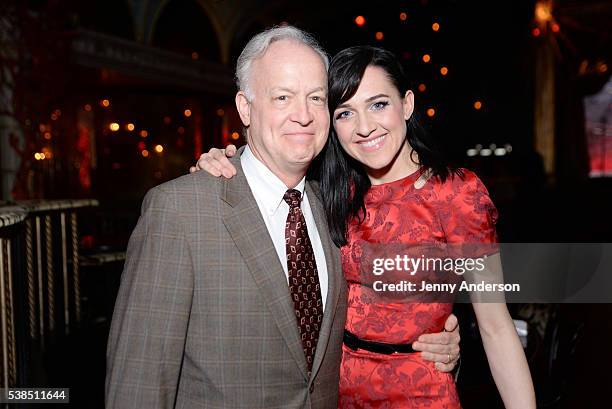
(303, 276)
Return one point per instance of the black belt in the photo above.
(354, 343)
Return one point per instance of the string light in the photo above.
(105, 103)
(426, 58)
(543, 12)
(87, 107)
(195, 55)
(422, 87)
(443, 70)
(220, 112)
(555, 28)
(235, 135)
(403, 16)
(435, 27)
(114, 126)
(144, 133)
(42, 155)
(431, 112)
(535, 32)
(159, 148)
(130, 127)
(187, 113)
(379, 35)
(360, 21)
(144, 153)
(477, 105)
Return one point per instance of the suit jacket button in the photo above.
(311, 389)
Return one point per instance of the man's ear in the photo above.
(244, 108)
(408, 103)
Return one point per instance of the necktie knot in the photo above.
(292, 197)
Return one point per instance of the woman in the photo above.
(383, 185)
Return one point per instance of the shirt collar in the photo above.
(265, 185)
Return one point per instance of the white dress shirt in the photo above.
(269, 190)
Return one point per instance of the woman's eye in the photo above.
(380, 104)
(343, 114)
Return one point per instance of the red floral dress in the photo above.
(458, 210)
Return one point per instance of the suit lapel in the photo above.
(334, 275)
(247, 228)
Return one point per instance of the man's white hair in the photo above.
(258, 45)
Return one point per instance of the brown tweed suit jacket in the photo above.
(203, 318)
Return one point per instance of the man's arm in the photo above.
(443, 347)
(149, 327)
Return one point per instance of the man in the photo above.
(232, 294)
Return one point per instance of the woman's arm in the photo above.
(503, 347)
(216, 163)
(441, 348)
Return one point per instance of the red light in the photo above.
(360, 20)
(555, 28)
(535, 32)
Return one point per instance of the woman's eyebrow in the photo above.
(376, 97)
(370, 99)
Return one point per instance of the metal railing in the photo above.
(39, 281)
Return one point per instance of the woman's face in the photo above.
(371, 127)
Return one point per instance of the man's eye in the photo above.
(282, 98)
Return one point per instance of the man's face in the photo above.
(286, 116)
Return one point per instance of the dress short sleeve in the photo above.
(466, 211)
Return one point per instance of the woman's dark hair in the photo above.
(343, 180)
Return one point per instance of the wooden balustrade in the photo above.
(40, 296)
